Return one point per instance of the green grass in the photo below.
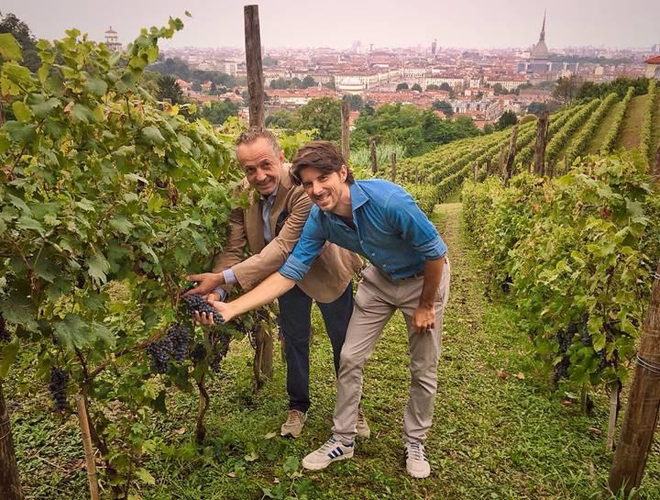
(632, 123)
(500, 431)
(655, 142)
(603, 129)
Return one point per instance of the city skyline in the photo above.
(477, 25)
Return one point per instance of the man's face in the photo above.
(261, 165)
(326, 190)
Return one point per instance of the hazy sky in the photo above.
(337, 23)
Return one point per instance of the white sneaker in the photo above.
(362, 426)
(416, 462)
(331, 451)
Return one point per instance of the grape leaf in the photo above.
(96, 86)
(9, 47)
(98, 267)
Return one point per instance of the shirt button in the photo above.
(373, 254)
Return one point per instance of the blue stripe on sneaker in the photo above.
(341, 452)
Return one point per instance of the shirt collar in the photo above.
(271, 197)
(358, 196)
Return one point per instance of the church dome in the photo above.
(540, 51)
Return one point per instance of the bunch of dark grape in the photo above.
(179, 337)
(586, 337)
(564, 339)
(4, 334)
(197, 303)
(198, 353)
(220, 342)
(57, 387)
(160, 353)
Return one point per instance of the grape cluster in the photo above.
(180, 339)
(160, 354)
(198, 353)
(197, 303)
(4, 334)
(564, 339)
(220, 342)
(57, 387)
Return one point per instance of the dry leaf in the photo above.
(231, 474)
(520, 376)
(503, 374)
(595, 430)
(180, 431)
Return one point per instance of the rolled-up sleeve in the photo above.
(309, 247)
(404, 214)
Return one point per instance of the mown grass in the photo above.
(500, 431)
(632, 123)
(603, 129)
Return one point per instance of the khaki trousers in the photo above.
(377, 298)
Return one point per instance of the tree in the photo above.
(446, 86)
(566, 89)
(216, 112)
(296, 83)
(307, 82)
(507, 119)
(280, 83)
(354, 102)
(417, 87)
(498, 89)
(402, 86)
(537, 108)
(322, 114)
(443, 106)
(169, 89)
(196, 86)
(433, 86)
(282, 118)
(9, 23)
(330, 85)
(270, 61)
(214, 89)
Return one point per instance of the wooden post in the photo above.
(615, 392)
(511, 154)
(541, 141)
(393, 167)
(501, 162)
(255, 74)
(643, 404)
(10, 483)
(656, 170)
(345, 133)
(90, 460)
(374, 160)
(489, 167)
(476, 171)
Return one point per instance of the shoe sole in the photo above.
(290, 434)
(309, 466)
(419, 476)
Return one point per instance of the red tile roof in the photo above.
(653, 60)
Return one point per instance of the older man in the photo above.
(270, 228)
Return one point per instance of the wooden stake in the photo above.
(643, 404)
(10, 483)
(89, 451)
(511, 154)
(541, 141)
(476, 171)
(615, 392)
(656, 170)
(374, 160)
(255, 75)
(393, 167)
(345, 132)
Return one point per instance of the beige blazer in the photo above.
(328, 276)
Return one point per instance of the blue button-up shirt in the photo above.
(390, 231)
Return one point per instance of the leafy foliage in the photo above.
(577, 250)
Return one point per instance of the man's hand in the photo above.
(206, 283)
(225, 309)
(423, 319)
(203, 318)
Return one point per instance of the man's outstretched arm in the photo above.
(271, 288)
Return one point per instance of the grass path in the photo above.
(603, 129)
(500, 431)
(632, 123)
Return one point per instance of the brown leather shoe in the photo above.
(294, 424)
(362, 426)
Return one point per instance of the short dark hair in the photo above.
(254, 133)
(322, 155)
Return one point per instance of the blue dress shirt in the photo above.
(390, 231)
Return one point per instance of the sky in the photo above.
(338, 23)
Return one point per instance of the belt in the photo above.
(416, 275)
